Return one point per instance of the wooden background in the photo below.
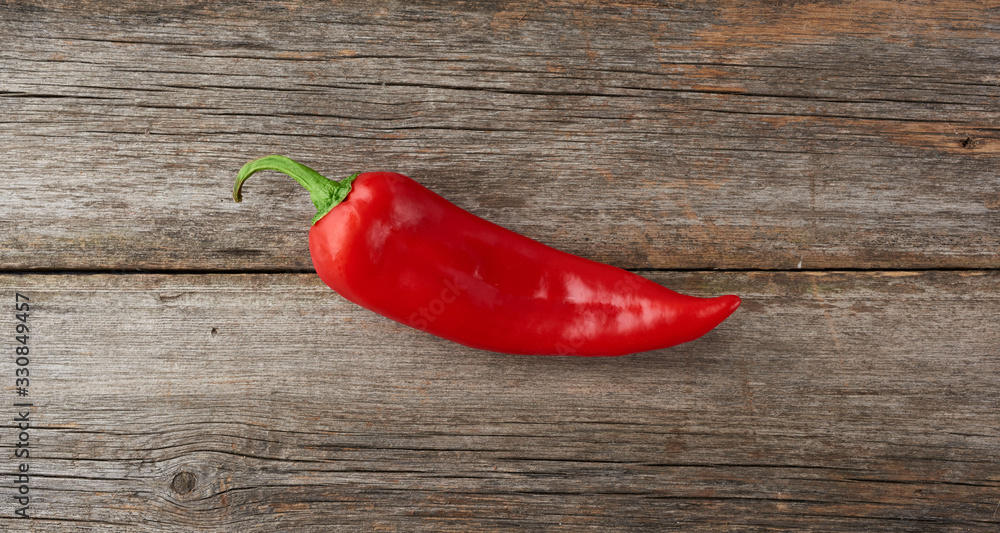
(837, 164)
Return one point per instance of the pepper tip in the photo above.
(722, 307)
(731, 303)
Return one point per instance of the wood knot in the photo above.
(183, 482)
(970, 142)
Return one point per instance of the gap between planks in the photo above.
(237, 272)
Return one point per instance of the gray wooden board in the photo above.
(648, 135)
(671, 136)
(830, 401)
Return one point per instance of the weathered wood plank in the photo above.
(684, 135)
(832, 401)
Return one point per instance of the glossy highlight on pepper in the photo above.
(389, 244)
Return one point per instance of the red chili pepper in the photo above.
(387, 243)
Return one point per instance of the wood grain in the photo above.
(830, 401)
(233, 392)
(682, 135)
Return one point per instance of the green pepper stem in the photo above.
(324, 192)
